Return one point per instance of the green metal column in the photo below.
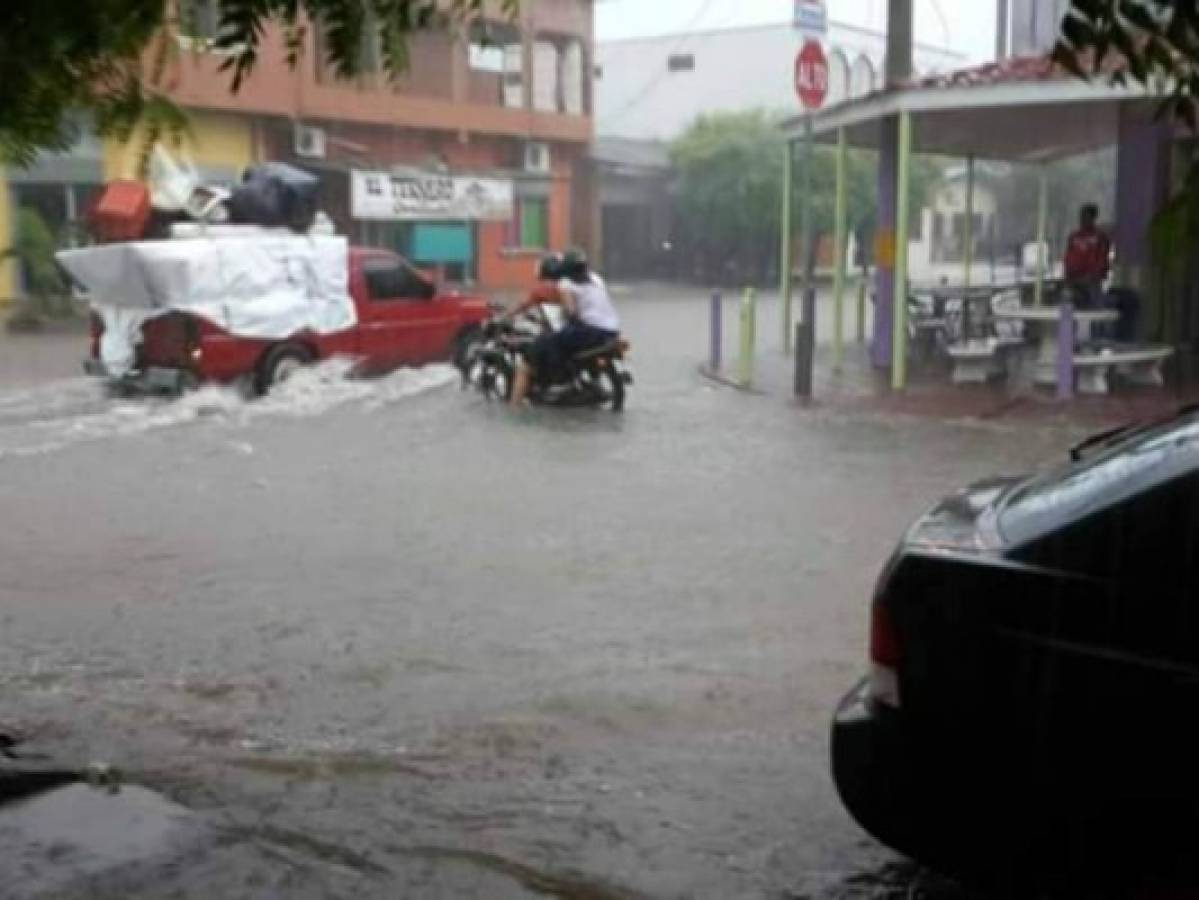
(1042, 225)
(861, 323)
(786, 263)
(840, 238)
(899, 336)
(805, 228)
(968, 237)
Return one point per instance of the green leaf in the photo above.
(1138, 14)
(1077, 31)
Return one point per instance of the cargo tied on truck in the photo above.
(249, 286)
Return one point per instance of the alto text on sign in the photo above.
(811, 75)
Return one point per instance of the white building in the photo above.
(938, 234)
(653, 88)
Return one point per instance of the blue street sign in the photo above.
(811, 16)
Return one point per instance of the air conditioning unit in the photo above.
(309, 141)
(537, 158)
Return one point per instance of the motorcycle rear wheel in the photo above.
(607, 387)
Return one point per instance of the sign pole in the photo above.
(811, 84)
(786, 263)
(806, 242)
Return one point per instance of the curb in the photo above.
(706, 372)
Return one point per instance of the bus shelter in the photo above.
(1024, 110)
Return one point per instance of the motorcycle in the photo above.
(595, 378)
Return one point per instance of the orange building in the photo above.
(475, 162)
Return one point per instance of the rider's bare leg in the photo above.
(520, 384)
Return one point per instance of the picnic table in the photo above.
(974, 306)
(1043, 322)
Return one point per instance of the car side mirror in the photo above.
(428, 290)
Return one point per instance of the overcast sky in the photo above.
(964, 25)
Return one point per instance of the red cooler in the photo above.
(122, 213)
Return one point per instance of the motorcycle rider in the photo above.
(591, 319)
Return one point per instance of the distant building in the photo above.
(649, 90)
(654, 88)
(938, 233)
(1035, 25)
(636, 215)
(503, 110)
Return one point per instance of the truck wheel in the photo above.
(279, 364)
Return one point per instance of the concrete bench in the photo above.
(976, 362)
(1137, 365)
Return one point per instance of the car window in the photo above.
(1071, 492)
(389, 280)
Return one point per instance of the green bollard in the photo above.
(745, 364)
(861, 330)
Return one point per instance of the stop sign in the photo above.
(811, 75)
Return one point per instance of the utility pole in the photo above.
(899, 42)
(1002, 29)
(897, 72)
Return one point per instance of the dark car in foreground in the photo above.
(1031, 713)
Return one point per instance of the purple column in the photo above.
(716, 333)
(1142, 182)
(884, 244)
(1065, 351)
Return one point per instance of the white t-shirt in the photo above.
(593, 304)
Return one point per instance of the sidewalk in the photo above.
(859, 386)
(29, 359)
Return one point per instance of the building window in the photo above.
(861, 78)
(370, 55)
(680, 62)
(547, 76)
(916, 224)
(199, 20)
(370, 47)
(838, 78)
(484, 56)
(530, 227)
(573, 68)
(496, 65)
(513, 81)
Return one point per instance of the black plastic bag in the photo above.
(275, 195)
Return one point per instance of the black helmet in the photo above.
(550, 268)
(574, 264)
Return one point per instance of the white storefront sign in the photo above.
(417, 195)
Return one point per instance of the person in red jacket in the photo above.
(1088, 258)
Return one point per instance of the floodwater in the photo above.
(382, 639)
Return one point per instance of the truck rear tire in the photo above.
(279, 364)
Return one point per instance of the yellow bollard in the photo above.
(745, 363)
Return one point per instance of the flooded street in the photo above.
(382, 639)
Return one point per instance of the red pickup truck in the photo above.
(403, 320)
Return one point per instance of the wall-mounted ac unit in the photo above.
(537, 158)
(309, 141)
